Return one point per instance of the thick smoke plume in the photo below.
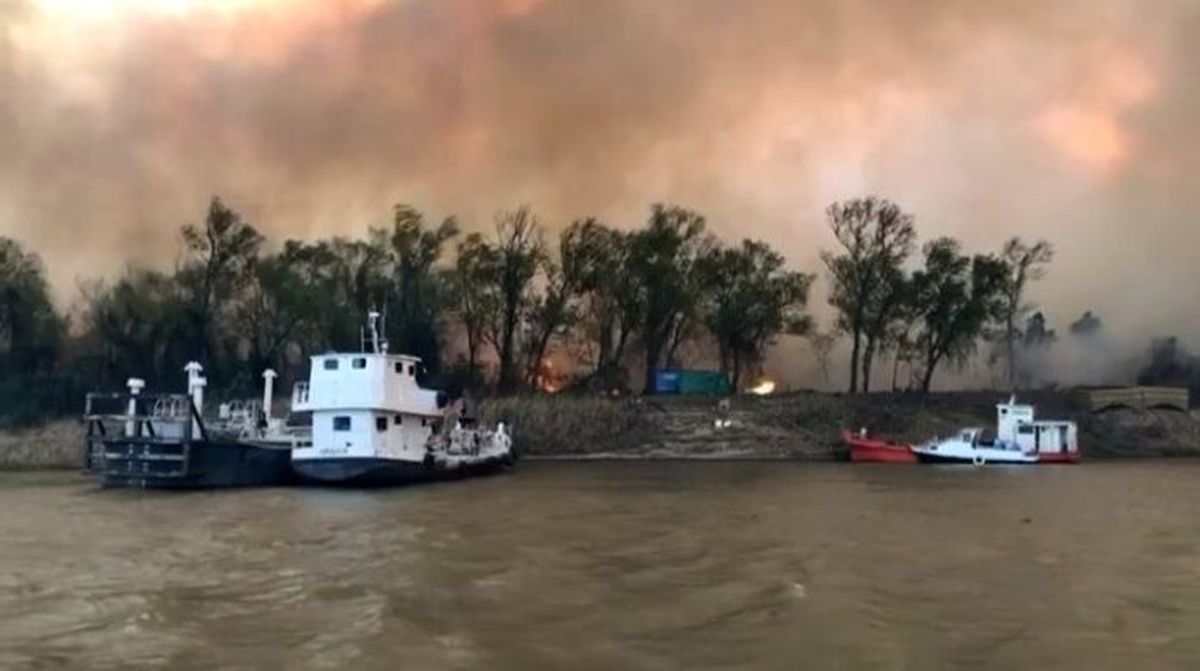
(1073, 120)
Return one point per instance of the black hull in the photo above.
(939, 459)
(369, 472)
(148, 464)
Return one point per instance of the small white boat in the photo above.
(1017, 439)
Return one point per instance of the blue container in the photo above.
(666, 382)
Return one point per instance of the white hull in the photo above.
(966, 454)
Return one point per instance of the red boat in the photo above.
(865, 448)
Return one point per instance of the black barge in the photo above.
(160, 442)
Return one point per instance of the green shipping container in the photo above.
(703, 382)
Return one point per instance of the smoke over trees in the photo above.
(492, 310)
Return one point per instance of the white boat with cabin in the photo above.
(1019, 438)
(372, 423)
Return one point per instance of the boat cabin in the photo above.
(1016, 426)
(368, 405)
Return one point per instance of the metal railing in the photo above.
(139, 429)
(300, 394)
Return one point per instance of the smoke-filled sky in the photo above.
(1073, 120)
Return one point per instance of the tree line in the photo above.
(936, 313)
(613, 301)
(487, 309)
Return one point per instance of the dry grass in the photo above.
(560, 425)
(56, 444)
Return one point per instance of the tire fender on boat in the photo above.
(978, 459)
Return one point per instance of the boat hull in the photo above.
(866, 449)
(1019, 459)
(375, 472)
(139, 463)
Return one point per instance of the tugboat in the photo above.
(1018, 439)
(373, 424)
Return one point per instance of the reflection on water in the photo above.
(607, 566)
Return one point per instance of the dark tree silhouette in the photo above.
(866, 281)
(955, 298)
(663, 257)
(1024, 263)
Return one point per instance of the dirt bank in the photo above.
(801, 426)
(56, 444)
(806, 426)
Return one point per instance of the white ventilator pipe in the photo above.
(268, 391)
(135, 387)
(196, 384)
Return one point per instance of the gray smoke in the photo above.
(1072, 120)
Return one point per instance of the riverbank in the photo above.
(807, 426)
(54, 445)
(796, 427)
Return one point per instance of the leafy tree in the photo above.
(876, 237)
(885, 317)
(278, 305)
(554, 311)
(519, 254)
(663, 258)
(138, 326)
(1024, 263)
(219, 259)
(612, 298)
(955, 298)
(30, 329)
(475, 294)
(417, 294)
(751, 299)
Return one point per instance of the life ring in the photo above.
(978, 459)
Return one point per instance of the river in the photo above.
(656, 565)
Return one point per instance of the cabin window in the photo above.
(399, 368)
(398, 420)
(412, 370)
(381, 424)
(341, 423)
(360, 363)
(424, 421)
(331, 364)
(1025, 430)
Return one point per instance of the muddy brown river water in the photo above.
(615, 566)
